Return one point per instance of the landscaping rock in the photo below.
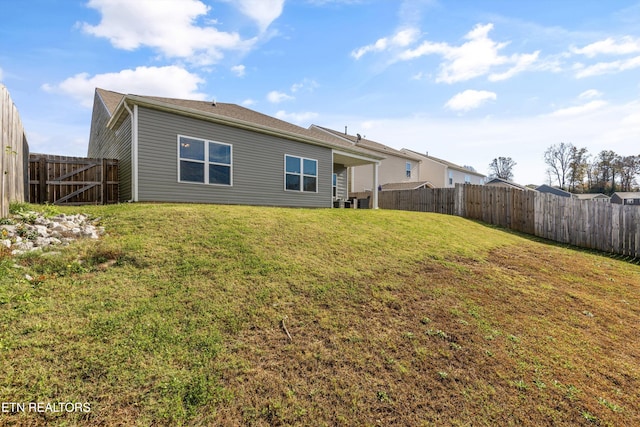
(22, 237)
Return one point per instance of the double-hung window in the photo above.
(408, 169)
(300, 174)
(203, 161)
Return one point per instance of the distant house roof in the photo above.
(443, 162)
(504, 183)
(406, 185)
(627, 194)
(368, 144)
(544, 188)
(230, 114)
(591, 196)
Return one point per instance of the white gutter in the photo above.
(134, 150)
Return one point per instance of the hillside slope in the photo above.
(224, 315)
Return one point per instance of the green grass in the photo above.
(176, 316)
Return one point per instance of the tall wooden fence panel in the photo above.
(584, 223)
(14, 152)
(65, 180)
(438, 200)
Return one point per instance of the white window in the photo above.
(203, 161)
(467, 179)
(450, 177)
(335, 185)
(300, 174)
(408, 169)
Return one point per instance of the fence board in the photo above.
(13, 153)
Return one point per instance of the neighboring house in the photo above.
(443, 174)
(395, 168)
(499, 182)
(175, 150)
(544, 188)
(626, 198)
(598, 197)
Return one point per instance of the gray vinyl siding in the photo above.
(258, 164)
(105, 143)
(341, 181)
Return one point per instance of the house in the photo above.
(176, 150)
(597, 197)
(626, 198)
(544, 188)
(499, 182)
(396, 167)
(443, 174)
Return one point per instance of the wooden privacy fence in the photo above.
(65, 180)
(584, 223)
(14, 152)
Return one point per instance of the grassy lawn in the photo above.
(227, 315)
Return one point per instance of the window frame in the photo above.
(301, 174)
(206, 162)
(408, 168)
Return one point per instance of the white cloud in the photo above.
(171, 81)
(402, 38)
(589, 94)
(239, 70)
(263, 12)
(303, 117)
(522, 63)
(626, 45)
(474, 58)
(469, 100)
(276, 97)
(249, 102)
(168, 26)
(607, 67)
(306, 84)
(1, 75)
(579, 109)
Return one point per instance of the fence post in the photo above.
(42, 181)
(105, 194)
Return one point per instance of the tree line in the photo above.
(573, 169)
(577, 171)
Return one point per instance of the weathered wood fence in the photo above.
(584, 223)
(14, 153)
(65, 180)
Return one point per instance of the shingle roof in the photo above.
(234, 112)
(111, 99)
(627, 194)
(365, 143)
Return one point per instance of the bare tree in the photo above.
(502, 167)
(558, 158)
(578, 168)
(629, 169)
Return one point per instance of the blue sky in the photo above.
(464, 80)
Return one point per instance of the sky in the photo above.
(463, 80)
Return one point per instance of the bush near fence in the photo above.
(14, 154)
(584, 223)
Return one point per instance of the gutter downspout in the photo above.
(134, 151)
